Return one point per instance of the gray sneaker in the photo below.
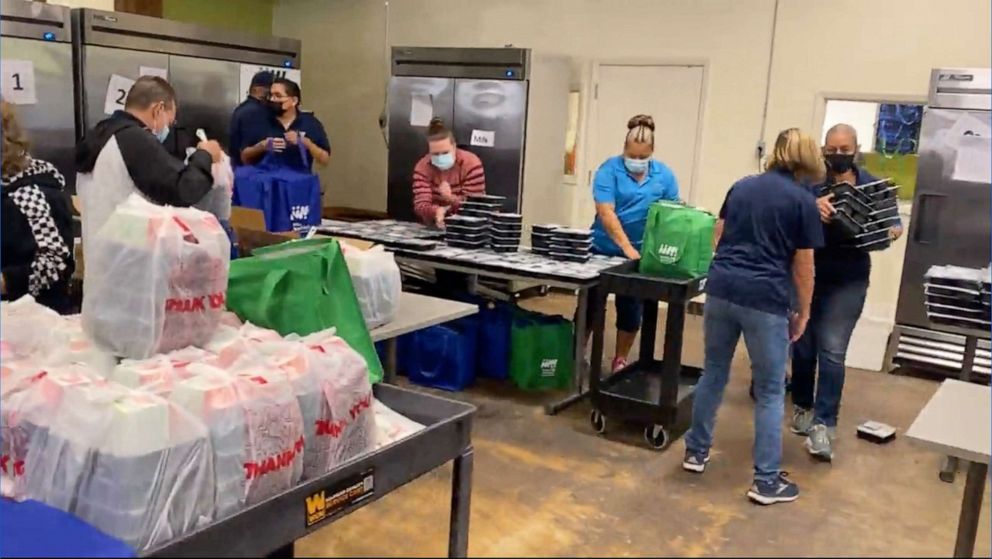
(818, 444)
(802, 420)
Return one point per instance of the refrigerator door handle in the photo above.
(929, 208)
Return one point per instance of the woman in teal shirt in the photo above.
(625, 186)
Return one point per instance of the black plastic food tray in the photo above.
(283, 519)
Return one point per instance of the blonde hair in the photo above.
(15, 144)
(797, 152)
(640, 129)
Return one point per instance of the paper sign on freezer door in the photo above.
(17, 78)
(117, 90)
(483, 138)
(421, 110)
(153, 71)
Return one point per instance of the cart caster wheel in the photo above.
(598, 421)
(656, 436)
(947, 477)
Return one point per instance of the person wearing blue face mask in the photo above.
(445, 177)
(123, 154)
(624, 188)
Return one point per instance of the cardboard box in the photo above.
(249, 228)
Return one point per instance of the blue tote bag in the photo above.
(288, 197)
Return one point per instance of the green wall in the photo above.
(251, 16)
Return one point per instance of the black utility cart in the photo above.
(270, 528)
(651, 392)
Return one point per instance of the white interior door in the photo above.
(670, 94)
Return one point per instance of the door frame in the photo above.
(588, 131)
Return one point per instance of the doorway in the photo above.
(671, 94)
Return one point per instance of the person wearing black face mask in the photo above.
(287, 128)
(838, 298)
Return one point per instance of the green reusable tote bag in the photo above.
(678, 241)
(301, 287)
(541, 351)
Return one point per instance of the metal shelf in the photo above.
(272, 526)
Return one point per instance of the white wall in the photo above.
(345, 38)
(873, 50)
(107, 5)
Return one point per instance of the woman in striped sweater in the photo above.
(443, 178)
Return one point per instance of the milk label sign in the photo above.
(668, 254)
(549, 367)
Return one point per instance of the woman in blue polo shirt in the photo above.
(286, 129)
(625, 186)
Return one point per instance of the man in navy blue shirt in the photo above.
(295, 137)
(841, 287)
(253, 111)
(760, 284)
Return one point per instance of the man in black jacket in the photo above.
(123, 154)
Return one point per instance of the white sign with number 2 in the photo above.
(116, 93)
(17, 77)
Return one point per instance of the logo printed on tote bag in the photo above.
(300, 213)
(549, 367)
(668, 254)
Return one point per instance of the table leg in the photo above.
(461, 501)
(948, 469)
(390, 368)
(582, 307)
(971, 509)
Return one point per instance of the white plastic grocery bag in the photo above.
(377, 282)
(155, 279)
(218, 200)
(127, 462)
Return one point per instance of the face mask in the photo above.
(277, 108)
(162, 134)
(443, 161)
(840, 163)
(636, 166)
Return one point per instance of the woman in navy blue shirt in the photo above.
(287, 129)
(841, 288)
(760, 284)
(625, 187)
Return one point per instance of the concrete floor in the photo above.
(548, 486)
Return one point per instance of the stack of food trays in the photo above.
(463, 231)
(571, 245)
(540, 238)
(959, 296)
(482, 206)
(505, 231)
(865, 214)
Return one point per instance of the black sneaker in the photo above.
(695, 462)
(779, 490)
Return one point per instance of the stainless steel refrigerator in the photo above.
(482, 95)
(206, 66)
(36, 53)
(951, 215)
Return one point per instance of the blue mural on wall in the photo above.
(898, 129)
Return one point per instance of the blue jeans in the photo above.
(833, 315)
(766, 337)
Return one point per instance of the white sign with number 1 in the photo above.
(116, 93)
(17, 79)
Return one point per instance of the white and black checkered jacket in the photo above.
(37, 235)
